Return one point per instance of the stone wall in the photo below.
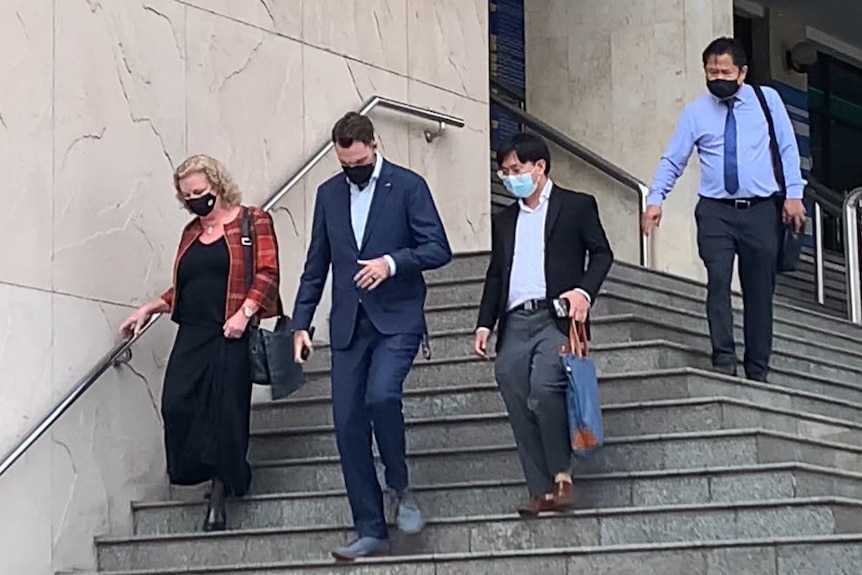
(614, 76)
(99, 100)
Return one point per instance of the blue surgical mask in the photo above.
(521, 186)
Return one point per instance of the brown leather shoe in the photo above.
(564, 496)
(537, 504)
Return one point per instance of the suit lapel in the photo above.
(554, 206)
(342, 214)
(382, 189)
(510, 225)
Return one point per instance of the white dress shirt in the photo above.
(527, 279)
(360, 206)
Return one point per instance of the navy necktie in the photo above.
(731, 170)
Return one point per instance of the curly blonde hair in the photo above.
(219, 178)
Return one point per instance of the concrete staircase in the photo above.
(702, 474)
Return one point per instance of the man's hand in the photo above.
(651, 219)
(480, 345)
(302, 347)
(372, 274)
(794, 213)
(579, 305)
(235, 326)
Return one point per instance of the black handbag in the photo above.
(790, 241)
(270, 352)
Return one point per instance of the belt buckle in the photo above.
(741, 204)
(529, 305)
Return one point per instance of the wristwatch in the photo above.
(247, 312)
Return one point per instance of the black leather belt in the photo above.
(530, 305)
(742, 203)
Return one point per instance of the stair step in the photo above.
(624, 526)
(634, 326)
(614, 302)
(455, 305)
(477, 399)
(619, 454)
(620, 420)
(810, 555)
(804, 356)
(594, 491)
(634, 357)
(659, 280)
(618, 347)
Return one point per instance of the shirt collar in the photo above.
(543, 197)
(375, 175)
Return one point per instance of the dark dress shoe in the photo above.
(216, 517)
(537, 504)
(564, 495)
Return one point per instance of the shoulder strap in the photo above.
(247, 248)
(248, 255)
(777, 163)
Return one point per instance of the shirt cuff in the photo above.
(585, 294)
(392, 266)
(483, 329)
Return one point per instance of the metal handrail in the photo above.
(851, 254)
(590, 157)
(120, 353)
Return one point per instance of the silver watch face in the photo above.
(247, 311)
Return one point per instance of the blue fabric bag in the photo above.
(582, 394)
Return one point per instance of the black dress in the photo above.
(207, 393)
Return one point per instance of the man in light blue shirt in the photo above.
(742, 204)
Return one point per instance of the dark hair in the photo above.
(353, 127)
(528, 148)
(725, 45)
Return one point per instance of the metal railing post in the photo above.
(851, 255)
(819, 278)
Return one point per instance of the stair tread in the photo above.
(413, 562)
(585, 477)
(510, 517)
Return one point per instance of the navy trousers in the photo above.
(367, 385)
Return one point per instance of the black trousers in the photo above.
(725, 231)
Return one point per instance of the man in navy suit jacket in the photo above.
(377, 226)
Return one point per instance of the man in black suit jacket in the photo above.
(539, 252)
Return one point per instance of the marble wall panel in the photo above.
(283, 17)
(370, 31)
(25, 366)
(25, 141)
(119, 131)
(447, 44)
(107, 450)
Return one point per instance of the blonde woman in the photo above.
(207, 391)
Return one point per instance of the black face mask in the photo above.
(359, 175)
(203, 205)
(723, 89)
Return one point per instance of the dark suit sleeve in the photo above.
(431, 249)
(489, 308)
(317, 263)
(598, 247)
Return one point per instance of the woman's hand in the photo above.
(135, 322)
(235, 326)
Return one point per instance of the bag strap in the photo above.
(578, 344)
(774, 151)
(247, 248)
(248, 255)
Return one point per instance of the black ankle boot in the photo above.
(216, 516)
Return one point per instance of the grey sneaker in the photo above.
(362, 547)
(408, 517)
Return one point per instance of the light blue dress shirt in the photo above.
(701, 125)
(360, 206)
